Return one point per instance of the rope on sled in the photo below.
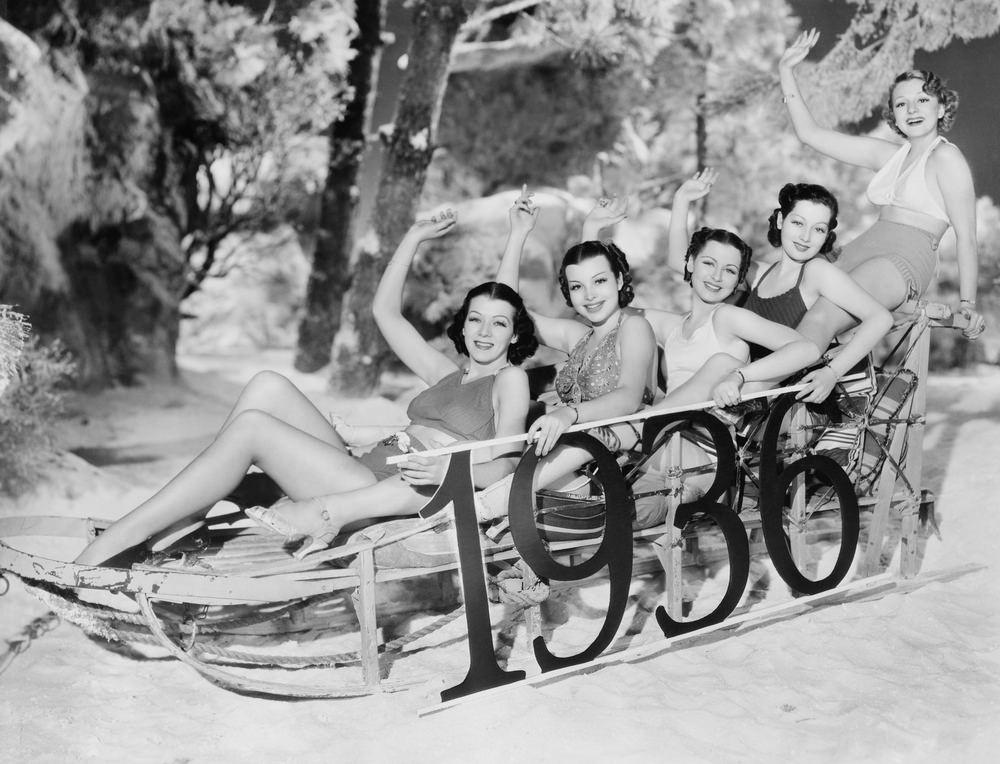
(132, 628)
(518, 586)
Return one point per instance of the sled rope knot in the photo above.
(518, 586)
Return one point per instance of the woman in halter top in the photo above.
(275, 427)
(922, 188)
(611, 366)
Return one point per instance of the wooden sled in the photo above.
(243, 587)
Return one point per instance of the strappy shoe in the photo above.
(272, 520)
(312, 540)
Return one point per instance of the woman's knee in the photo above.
(247, 425)
(267, 386)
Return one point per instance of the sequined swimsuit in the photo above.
(584, 377)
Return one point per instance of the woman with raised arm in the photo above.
(921, 187)
(802, 226)
(702, 346)
(610, 369)
(275, 427)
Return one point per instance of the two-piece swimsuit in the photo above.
(913, 251)
(463, 410)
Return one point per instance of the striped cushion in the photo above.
(860, 444)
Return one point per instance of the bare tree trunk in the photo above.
(330, 275)
(360, 352)
(701, 146)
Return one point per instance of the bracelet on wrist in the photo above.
(970, 303)
(739, 373)
(576, 414)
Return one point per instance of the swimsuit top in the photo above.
(462, 410)
(686, 355)
(583, 377)
(908, 188)
(787, 308)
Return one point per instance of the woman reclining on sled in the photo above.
(275, 427)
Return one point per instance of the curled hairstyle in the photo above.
(615, 257)
(933, 86)
(525, 343)
(793, 193)
(702, 236)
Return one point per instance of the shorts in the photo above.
(375, 460)
(912, 251)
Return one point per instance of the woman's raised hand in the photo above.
(700, 185)
(796, 53)
(437, 226)
(607, 212)
(523, 213)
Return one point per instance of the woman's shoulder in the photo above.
(946, 155)
(510, 381)
(661, 322)
(514, 374)
(819, 268)
(636, 325)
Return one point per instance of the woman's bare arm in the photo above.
(853, 149)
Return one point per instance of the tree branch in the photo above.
(469, 27)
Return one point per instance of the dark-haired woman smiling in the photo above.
(276, 428)
(802, 225)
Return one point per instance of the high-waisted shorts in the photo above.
(912, 251)
(375, 460)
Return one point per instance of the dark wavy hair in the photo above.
(524, 328)
(615, 257)
(933, 86)
(702, 236)
(793, 193)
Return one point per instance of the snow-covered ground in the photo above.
(911, 677)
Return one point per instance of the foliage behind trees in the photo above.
(194, 120)
(29, 410)
(181, 128)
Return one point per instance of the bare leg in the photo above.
(302, 464)
(824, 321)
(276, 395)
(386, 498)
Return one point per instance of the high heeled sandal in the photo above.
(271, 519)
(320, 538)
(315, 543)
